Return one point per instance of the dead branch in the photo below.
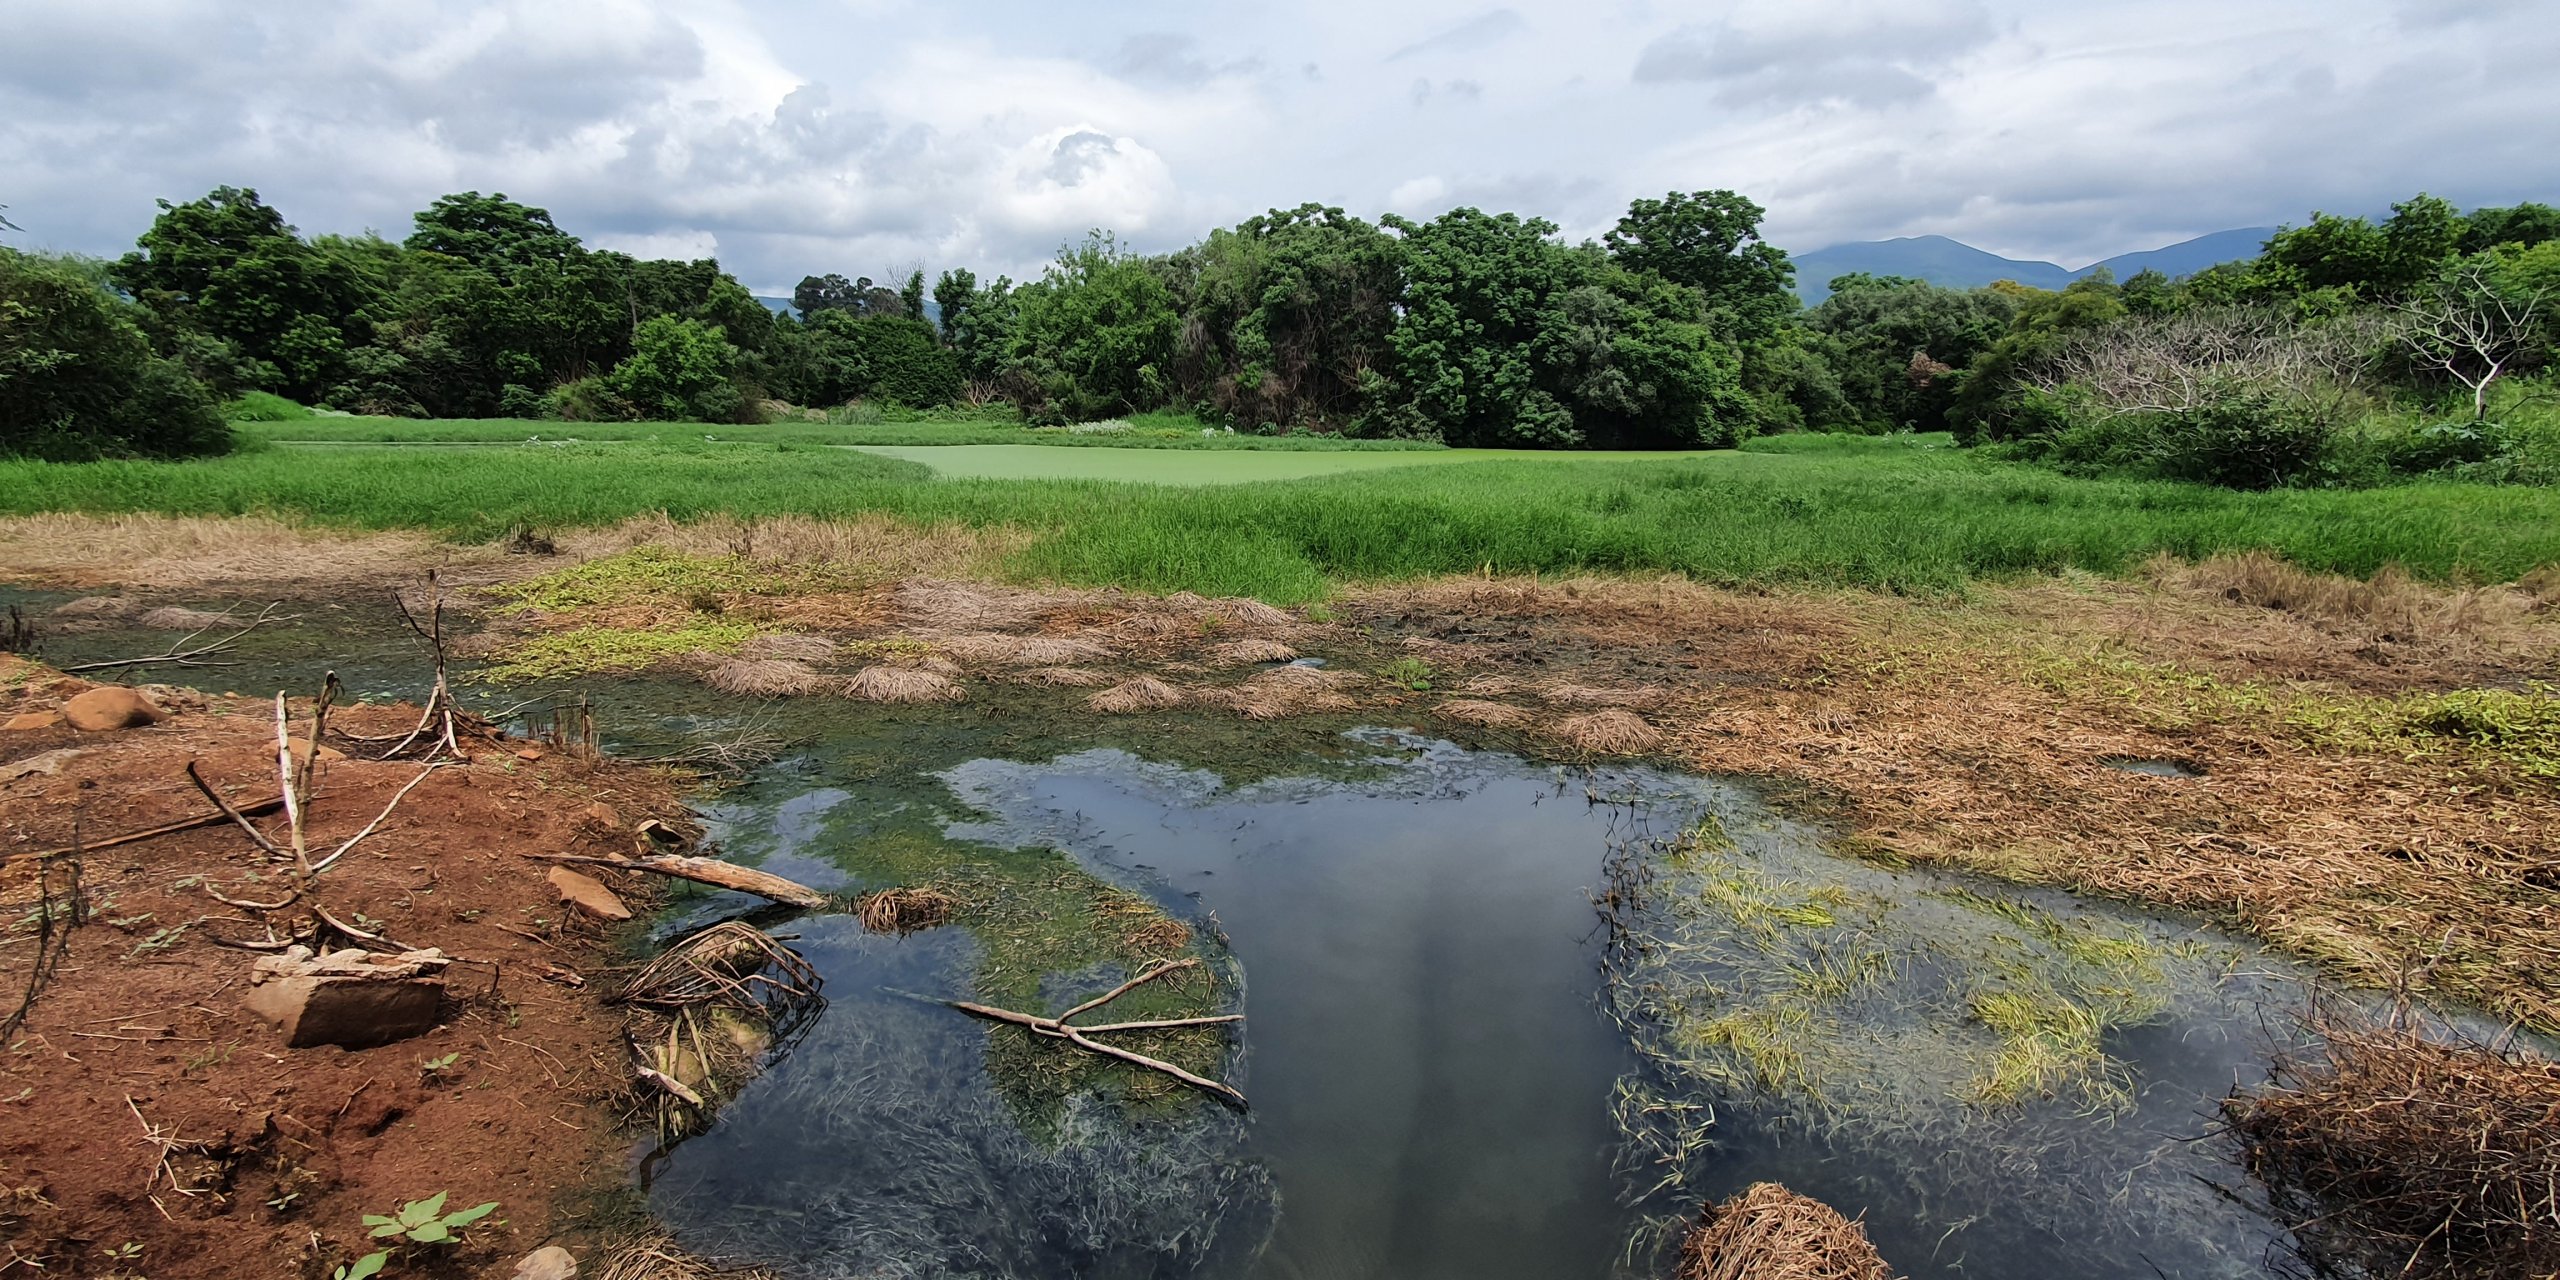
(710, 871)
(440, 713)
(180, 654)
(398, 796)
(254, 809)
(1058, 1028)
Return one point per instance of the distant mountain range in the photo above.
(1958, 265)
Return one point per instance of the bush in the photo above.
(678, 371)
(263, 406)
(902, 362)
(2242, 439)
(2446, 445)
(78, 379)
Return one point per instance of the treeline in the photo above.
(1678, 328)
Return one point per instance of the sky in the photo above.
(870, 137)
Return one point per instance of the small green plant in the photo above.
(433, 1067)
(1409, 673)
(368, 1265)
(1318, 612)
(425, 1222)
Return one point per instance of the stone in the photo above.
(588, 894)
(31, 720)
(351, 998)
(171, 698)
(602, 815)
(550, 1262)
(46, 764)
(529, 754)
(109, 707)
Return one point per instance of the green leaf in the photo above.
(419, 1211)
(387, 1228)
(471, 1215)
(432, 1233)
(368, 1265)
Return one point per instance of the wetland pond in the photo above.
(1503, 1018)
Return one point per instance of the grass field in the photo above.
(1200, 466)
(1158, 431)
(1902, 514)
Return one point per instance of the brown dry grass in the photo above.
(905, 911)
(178, 618)
(1613, 732)
(1283, 692)
(899, 684)
(765, 678)
(1490, 715)
(195, 551)
(1565, 693)
(1771, 1233)
(655, 1255)
(1145, 693)
(2390, 605)
(940, 605)
(880, 546)
(999, 649)
(1066, 677)
(1238, 653)
(2394, 1152)
(789, 648)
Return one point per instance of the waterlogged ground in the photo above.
(1457, 1065)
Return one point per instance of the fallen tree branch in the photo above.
(402, 794)
(236, 815)
(1058, 1028)
(254, 809)
(179, 655)
(710, 871)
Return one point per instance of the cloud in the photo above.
(1482, 31)
(1168, 57)
(1855, 52)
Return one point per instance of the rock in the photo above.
(588, 894)
(350, 998)
(48, 764)
(602, 815)
(109, 707)
(171, 698)
(31, 720)
(550, 1262)
(529, 754)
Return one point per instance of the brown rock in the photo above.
(349, 998)
(588, 894)
(529, 754)
(602, 815)
(31, 720)
(109, 707)
(550, 1262)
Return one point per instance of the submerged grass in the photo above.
(599, 650)
(1885, 514)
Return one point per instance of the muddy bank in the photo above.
(151, 1124)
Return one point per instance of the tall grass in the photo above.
(1155, 431)
(1895, 515)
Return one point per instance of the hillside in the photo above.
(1958, 265)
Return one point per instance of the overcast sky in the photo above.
(867, 136)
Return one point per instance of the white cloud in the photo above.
(867, 134)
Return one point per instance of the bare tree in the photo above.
(2173, 363)
(2471, 331)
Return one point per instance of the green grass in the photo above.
(1151, 431)
(1900, 514)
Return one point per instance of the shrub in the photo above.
(678, 371)
(2241, 439)
(263, 406)
(902, 362)
(2445, 445)
(78, 379)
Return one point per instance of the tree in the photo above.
(228, 266)
(1286, 316)
(1893, 336)
(2523, 226)
(2471, 330)
(78, 379)
(490, 232)
(1710, 241)
(952, 294)
(1094, 334)
(911, 295)
(679, 370)
(829, 292)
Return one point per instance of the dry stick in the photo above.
(164, 829)
(1160, 1023)
(179, 655)
(236, 815)
(710, 871)
(402, 794)
(292, 799)
(1153, 972)
(1059, 1031)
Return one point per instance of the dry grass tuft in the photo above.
(1282, 692)
(1237, 653)
(1248, 613)
(959, 606)
(1568, 694)
(654, 1255)
(998, 649)
(2392, 1152)
(1612, 732)
(178, 618)
(1146, 693)
(92, 609)
(1490, 715)
(879, 545)
(790, 648)
(765, 678)
(1771, 1233)
(905, 911)
(193, 551)
(1162, 936)
(898, 684)
(2390, 603)
(1067, 677)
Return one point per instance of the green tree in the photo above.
(490, 232)
(1710, 241)
(2523, 226)
(679, 371)
(1287, 315)
(911, 294)
(829, 292)
(1897, 339)
(228, 266)
(1094, 335)
(79, 380)
(952, 293)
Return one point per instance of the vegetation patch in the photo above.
(581, 651)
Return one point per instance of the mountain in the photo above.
(1958, 265)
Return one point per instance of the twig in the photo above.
(234, 814)
(181, 656)
(330, 861)
(1059, 1028)
(167, 828)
